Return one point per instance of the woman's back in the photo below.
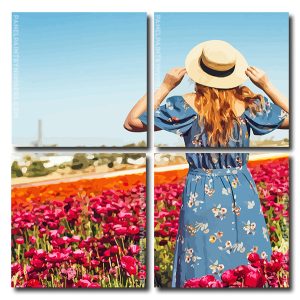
(177, 116)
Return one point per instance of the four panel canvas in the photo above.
(221, 219)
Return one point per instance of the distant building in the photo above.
(40, 134)
(39, 141)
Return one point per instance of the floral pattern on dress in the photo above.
(191, 257)
(250, 227)
(208, 189)
(216, 237)
(216, 268)
(221, 218)
(192, 229)
(224, 226)
(219, 212)
(229, 247)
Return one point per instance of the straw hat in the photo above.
(216, 64)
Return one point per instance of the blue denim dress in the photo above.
(220, 220)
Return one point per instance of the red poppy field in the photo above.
(83, 234)
(272, 181)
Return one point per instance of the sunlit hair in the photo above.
(216, 114)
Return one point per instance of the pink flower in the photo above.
(70, 273)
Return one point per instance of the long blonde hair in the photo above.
(216, 111)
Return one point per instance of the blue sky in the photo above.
(80, 73)
(263, 38)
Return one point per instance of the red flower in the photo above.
(40, 253)
(67, 247)
(254, 280)
(242, 270)
(33, 283)
(124, 214)
(134, 249)
(128, 263)
(274, 266)
(253, 257)
(229, 277)
(15, 268)
(141, 275)
(95, 263)
(207, 281)
(19, 240)
(75, 239)
(37, 263)
(215, 284)
(57, 257)
(192, 283)
(32, 239)
(120, 230)
(133, 229)
(114, 249)
(30, 253)
(78, 254)
(83, 283)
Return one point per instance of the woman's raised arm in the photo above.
(171, 80)
(260, 79)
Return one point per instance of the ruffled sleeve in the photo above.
(268, 118)
(143, 118)
(175, 116)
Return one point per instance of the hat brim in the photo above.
(197, 74)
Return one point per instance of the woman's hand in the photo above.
(173, 78)
(261, 80)
(258, 77)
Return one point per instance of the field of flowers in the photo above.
(83, 234)
(272, 180)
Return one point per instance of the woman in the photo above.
(220, 221)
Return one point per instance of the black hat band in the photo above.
(216, 73)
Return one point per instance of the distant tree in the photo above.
(140, 144)
(37, 168)
(16, 170)
(80, 162)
